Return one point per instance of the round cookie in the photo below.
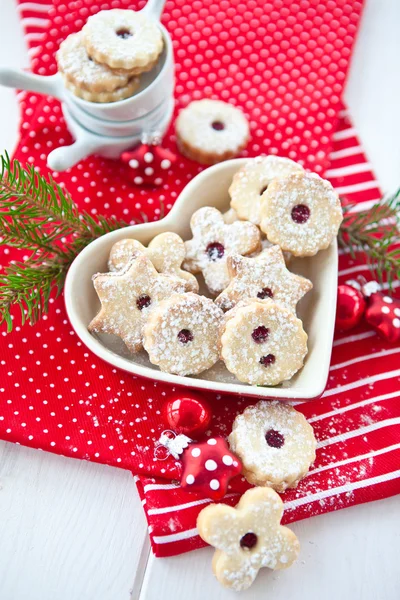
(275, 443)
(210, 131)
(252, 180)
(181, 335)
(301, 213)
(262, 342)
(120, 93)
(83, 72)
(123, 39)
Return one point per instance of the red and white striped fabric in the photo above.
(356, 422)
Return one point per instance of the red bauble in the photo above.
(208, 467)
(149, 163)
(188, 413)
(383, 313)
(350, 307)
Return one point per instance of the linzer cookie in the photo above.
(166, 251)
(181, 334)
(275, 443)
(83, 72)
(213, 242)
(128, 296)
(252, 180)
(262, 342)
(210, 131)
(121, 93)
(247, 537)
(263, 276)
(301, 213)
(123, 39)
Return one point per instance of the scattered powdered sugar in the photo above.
(279, 467)
(194, 126)
(286, 342)
(261, 276)
(325, 213)
(208, 227)
(181, 335)
(251, 181)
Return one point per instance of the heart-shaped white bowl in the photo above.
(316, 309)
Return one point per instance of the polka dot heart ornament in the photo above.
(208, 468)
(149, 163)
(383, 314)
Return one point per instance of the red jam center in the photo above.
(274, 438)
(265, 293)
(143, 302)
(185, 336)
(268, 360)
(218, 125)
(300, 213)
(260, 334)
(248, 541)
(124, 34)
(215, 251)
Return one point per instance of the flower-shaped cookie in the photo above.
(213, 242)
(263, 276)
(166, 251)
(126, 298)
(275, 443)
(262, 342)
(247, 537)
(301, 213)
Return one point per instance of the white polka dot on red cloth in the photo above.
(196, 452)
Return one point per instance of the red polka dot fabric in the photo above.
(284, 64)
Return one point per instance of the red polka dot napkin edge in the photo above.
(284, 63)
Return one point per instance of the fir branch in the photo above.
(37, 215)
(376, 233)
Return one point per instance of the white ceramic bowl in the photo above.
(317, 308)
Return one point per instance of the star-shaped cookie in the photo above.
(213, 242)
(264, 276)
(127, 297)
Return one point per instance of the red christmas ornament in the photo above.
(149, 163)
(188, 413)
(383, 314)
(208, 467)
(350, 307)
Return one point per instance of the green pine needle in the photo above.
(376, 234)
(37, 215)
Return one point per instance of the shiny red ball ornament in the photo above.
(383, 314)
(208, 468)
(188, 413)
(350, 307)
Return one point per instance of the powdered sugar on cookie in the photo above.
(301, 213)
(275, 443)
(181, 335)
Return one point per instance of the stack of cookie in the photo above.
(103, 62)
(150, 296)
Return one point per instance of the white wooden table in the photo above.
(71, 530)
